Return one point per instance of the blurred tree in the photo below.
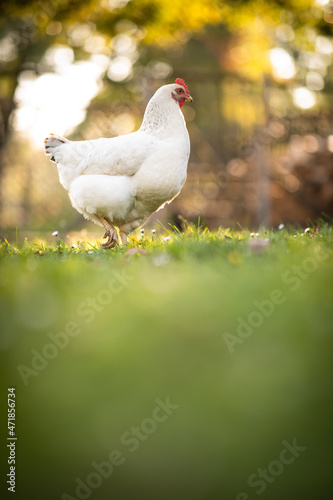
(29, 27)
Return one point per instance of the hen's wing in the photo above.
(121, 155)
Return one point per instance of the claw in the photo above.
(112, 239)
(110, 234)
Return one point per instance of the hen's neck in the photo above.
(162, 117)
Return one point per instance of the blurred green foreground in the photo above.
(199, 370)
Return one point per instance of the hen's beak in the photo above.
(189, 98)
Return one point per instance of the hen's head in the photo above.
(180, 92)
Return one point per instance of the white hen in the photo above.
(120, 182)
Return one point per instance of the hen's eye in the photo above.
(179, 91)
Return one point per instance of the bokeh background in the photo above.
(261, 127)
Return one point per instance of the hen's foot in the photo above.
(110, 233)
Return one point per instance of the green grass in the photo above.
(237, 333)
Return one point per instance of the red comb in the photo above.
(181, 82)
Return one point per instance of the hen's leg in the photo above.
(110, 233)
(123, 238)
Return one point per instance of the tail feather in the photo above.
(51, 142)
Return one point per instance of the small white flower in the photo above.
(90, 252)
(73, 246)
(307, 230)
(281, 226)
(153, 231)
(251, 234)
(142, 231)
(256, 234)
(55, 233)
(167, 238)
(295, 235)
